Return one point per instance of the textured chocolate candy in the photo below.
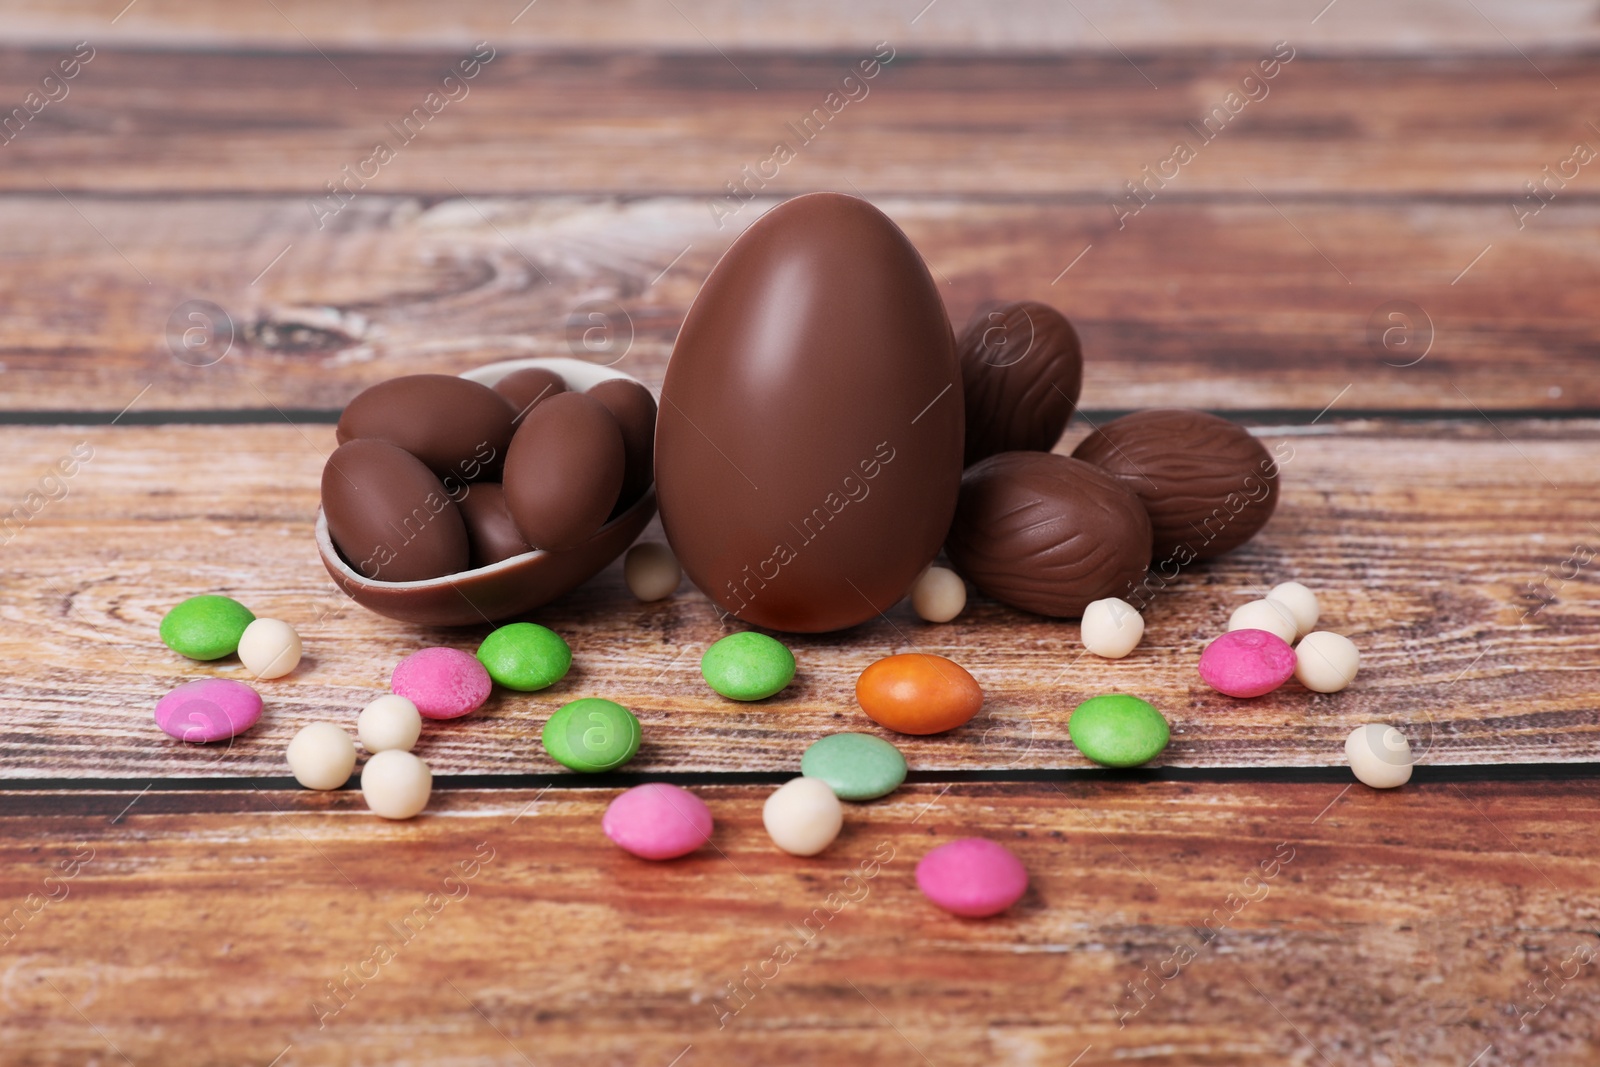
(631, 404)
(522, 389)
(1022, 369)
(564, 470)
(389, 515)
(491, 535)
(1208, 485)
(1048, 534)
(459, 428)
(808, 450)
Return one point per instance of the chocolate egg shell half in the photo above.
(491, 534)
(1208, 485)
(1048, 534)
(1022, 369)
(631, 404)
(808, 447)
(564, 471)
(513, 587)
(390, 515)
(459, 428)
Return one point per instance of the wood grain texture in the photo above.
(1440, 549)
(1246, 307)
(1026, 25)
(1420, 926)
(631, 124)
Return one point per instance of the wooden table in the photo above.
(1350, 265)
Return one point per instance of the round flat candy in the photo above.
(1118, 730)
(1247, 663)
(973, 876)
(591, 735)
(208, 709)
(747, 666)
(855, 766)
(525, 656)
(658, 821)
(444, 683)
(206, 627)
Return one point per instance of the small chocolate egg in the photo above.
(564, 471)
(490, 532)
(631, 404)
(1048, 534)
(459, 428)
(522, 389)
(390, 516)
(1022, 369)
(1208, 485)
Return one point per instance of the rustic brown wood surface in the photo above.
(1353, 265)
(1165, 923)
(1224, 304)
(1439, 547)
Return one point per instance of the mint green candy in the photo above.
(855, 766)
(1118, 730)
(525, 656)
(747, 666)
(206, 627)
(591, 735)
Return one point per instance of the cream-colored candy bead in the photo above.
(1301, 602)
(1326, 662)
(939, 595)
(321, 756)
(803, 816)
(390, 722)
(651, 571)
(1268, 615)
(396, 784)
(1111, 627)
(269, 648)
(1379, 755)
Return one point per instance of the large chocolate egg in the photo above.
(808, 446)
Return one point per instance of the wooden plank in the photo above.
(1440, 548)
(631, 124)
(1292, 923)
(1026, 25)
(1246, 307)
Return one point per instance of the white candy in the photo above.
(1268, 615)
(651, 571)
(1379, 755)
(803, 816)
(1301, 602)
(1111, 628)
(269, 648)
(390, 722)
(939, 595)
(321, 756)
(1326, 662)
(396, 784)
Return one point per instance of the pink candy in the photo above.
(974, 877)
(444, 683)
(658, 821)
(208, 709)
(1247, 663)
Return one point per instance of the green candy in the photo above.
(747, 666)
(855, 766)
(1118, 730)
(591, 735)
(206, 627)
(525, 656)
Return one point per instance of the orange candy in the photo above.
(915, 693)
